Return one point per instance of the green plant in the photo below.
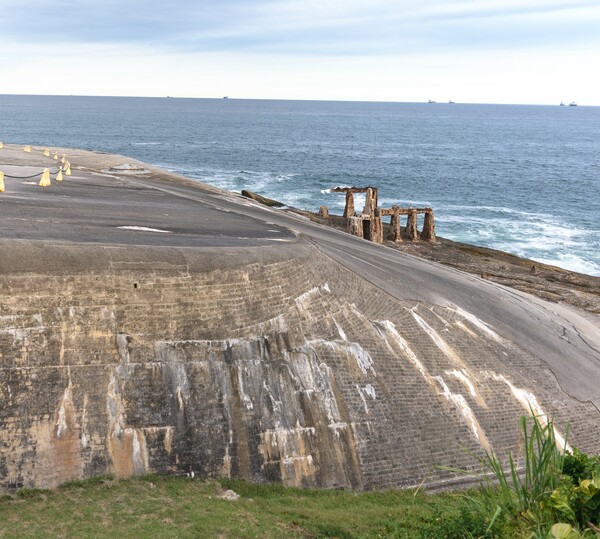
(578, 465)
(579, 504)
(516, 495)
(522, 492)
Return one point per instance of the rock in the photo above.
(263, 200)
(230, 496)
(127, 169)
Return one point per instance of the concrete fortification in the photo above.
(149, 324)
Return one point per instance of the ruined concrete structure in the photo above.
(370, 199)
(412, 234)
(368, 223)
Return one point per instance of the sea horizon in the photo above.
(308, 100)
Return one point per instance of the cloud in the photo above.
(483, 50)
(351, 27)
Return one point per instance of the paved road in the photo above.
(90, 208)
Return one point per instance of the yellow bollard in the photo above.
(63, 160)
(27, 149)
(1, 182)
(59, 175)
(45, 179)
(55, 156)
(1, 145)
(68, 169)
(47, 152)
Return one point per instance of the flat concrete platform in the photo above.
(95, 207)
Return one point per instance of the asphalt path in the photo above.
(93, 208)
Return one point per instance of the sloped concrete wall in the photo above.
(265, 365)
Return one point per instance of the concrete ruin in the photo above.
(370, 199)
(411, 230)
(368, 224)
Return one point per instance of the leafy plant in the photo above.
(522, 491)
(579, 504)
(578, 465)
(555, 494)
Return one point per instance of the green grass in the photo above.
(157, 506)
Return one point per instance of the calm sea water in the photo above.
(524, 179)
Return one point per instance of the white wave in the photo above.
(495, 209)
(571, 262)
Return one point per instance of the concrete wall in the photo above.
(266, 365)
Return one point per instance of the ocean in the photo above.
(523, 179)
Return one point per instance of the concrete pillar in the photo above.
(376, 230)
(394, 233)
(411, 227)
(428, 233)
(349, 208)
(370, 201)
(324, 211)
(355, 226)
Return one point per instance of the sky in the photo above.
(485, 51)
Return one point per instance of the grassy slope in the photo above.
(179, 507)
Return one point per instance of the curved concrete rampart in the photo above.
(256, 344)
(287, 369)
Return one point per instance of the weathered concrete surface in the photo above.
(252, 343)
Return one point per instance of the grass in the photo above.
(157, 506)
(555, 495)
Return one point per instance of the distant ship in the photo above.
(225, 97)
(431, 101)
(572, 104)
(451, 102)
(562, 104)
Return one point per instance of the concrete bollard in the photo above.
(27, 149)
(324, 211)
(68, 169)
(411, 227)
(59, 177)
(355, 226)
(46, 152)
(45, 179)
(1, 182)
(62, 159)
(1, 145)
(428, 233)
(55, 156)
